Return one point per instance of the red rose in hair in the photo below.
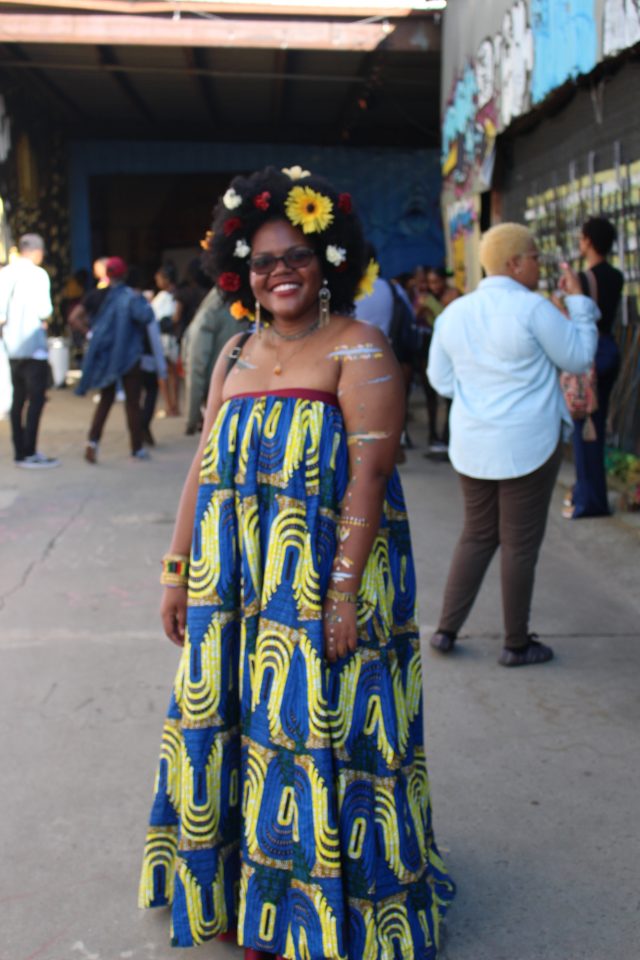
(344, 203)
(229, 282)
(261, 201)
(231, 225)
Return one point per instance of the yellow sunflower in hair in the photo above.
(365, 287)
(308, 209)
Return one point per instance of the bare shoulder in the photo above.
(356, 333)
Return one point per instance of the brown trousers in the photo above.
(131, 383)
(511, 514)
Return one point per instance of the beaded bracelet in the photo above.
(338, 596)
(175, 570)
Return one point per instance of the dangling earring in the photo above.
(324, 296)
(258, 319)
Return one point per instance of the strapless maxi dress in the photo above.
(291, 798)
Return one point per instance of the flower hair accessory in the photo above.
(231, 199)
(229, 282)
(261, 200)
(308, 209)
(365, 287)
(242, 249)
(345, 203)
(239, 312)
(335, 255)
(296, 172)
(231, 225)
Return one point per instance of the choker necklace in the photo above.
(296, 336)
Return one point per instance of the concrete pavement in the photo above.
(534, 773)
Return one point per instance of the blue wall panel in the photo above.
(397, 192)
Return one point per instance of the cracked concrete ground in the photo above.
(535, 774)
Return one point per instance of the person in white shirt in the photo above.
(497, 353)
(25, 305)
(164, 309)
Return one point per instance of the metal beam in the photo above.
(356, 95)
(107, 58)
(96, 29)
(46, 86)
(281, 64)
(194, 60)
(224, 7)
(249, 76)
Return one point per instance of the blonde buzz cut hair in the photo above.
(502, 242)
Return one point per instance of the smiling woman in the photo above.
(292, 807)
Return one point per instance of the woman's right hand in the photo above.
(173, 611)
(569, 280)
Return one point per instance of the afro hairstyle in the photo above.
(252, 201)
(602, 234)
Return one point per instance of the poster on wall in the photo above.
(463, 232)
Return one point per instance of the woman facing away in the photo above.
(496, 352)
(292, 807)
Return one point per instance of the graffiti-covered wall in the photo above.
(503, 57)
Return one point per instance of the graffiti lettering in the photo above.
(540, 45)
(621, 25)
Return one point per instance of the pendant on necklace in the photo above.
(277, 369)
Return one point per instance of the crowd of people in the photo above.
(292, 810)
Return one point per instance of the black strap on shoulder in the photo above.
(233, 357)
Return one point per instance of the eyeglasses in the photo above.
(294, 258)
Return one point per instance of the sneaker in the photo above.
(38, 461)
(147, 437)
(120, 396)
(437, 446)
(91, 451)
(141, 454)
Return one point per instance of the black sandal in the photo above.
(529, 656)
(443, 641)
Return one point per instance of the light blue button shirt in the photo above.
(377, 307)
(497, 353)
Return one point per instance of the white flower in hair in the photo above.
(296, 173)
(231, 199)
(335, 255)
(242, 249)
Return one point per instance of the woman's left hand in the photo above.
(340, 629)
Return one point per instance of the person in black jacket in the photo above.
(603, 283)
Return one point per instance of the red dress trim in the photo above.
(299, 393)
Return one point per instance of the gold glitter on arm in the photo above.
(367, 437)
(361, 351)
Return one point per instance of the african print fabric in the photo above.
(292, 799)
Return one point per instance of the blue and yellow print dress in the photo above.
(292, 799)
